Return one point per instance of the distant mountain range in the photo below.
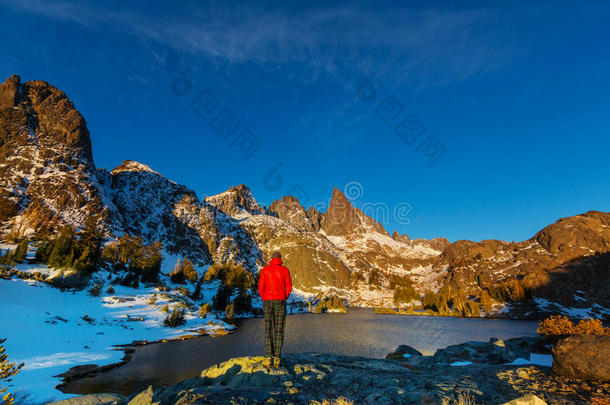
(48, 179)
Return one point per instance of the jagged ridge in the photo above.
(48, 176)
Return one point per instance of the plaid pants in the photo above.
(275, 319)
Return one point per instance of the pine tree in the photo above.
(515, 290)
(21, 251)
(472, 308)
(7, 371)
(130, 249)
(7, 258)
(204, 310)
(459, 303)
(175, 318)
(43, 251)
(62, 252)
(222, 298)
(110, 254)
(189, 270)
(430, 301)
(197, 292)
(89, 245)
(229, 311)
(149, 263)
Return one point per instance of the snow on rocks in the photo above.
(593, 311)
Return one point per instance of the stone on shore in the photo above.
(496, 351)
(526, 400)
(93, 399)
(146, 397)
(402, 352)
(586, 357)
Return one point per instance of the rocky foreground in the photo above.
(470, 373)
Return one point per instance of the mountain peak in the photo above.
(342, 218)
(44, 137)
(289, 209)
(236, 202)
(52, 120)
(132, 166)
(339, 196)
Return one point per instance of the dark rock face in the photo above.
(316, 218)
(585, 357)
(46, 165)
(9, 92)
(151, 206)
(290, 210)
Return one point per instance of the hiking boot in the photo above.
(276, 362)
(267, 362)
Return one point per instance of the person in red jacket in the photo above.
(274, 287)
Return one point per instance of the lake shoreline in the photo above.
(248, 332)
(492, 372)
(90, 370)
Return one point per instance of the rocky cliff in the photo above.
(47, 174)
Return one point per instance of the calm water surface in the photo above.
(360, 332)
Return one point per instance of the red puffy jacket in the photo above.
(274, 282)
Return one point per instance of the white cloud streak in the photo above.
(431, 47)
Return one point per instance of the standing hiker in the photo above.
(274, 287)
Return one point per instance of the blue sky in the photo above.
(515, 96)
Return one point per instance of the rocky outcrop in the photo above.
(93, 399)
(46, 164)
(496, 351)
(290, 210)
(585, 357)
(151, 206)
(526, 400)
(558, 262)
(316, 218)
(402, 352)
(68, 278)
(10, 92)
(312, 259)
(580, 235)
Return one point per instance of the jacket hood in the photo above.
(276, 260)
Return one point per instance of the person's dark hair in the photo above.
(276, 255)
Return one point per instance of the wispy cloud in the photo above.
(430, 46)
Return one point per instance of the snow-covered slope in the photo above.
(52, 331)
